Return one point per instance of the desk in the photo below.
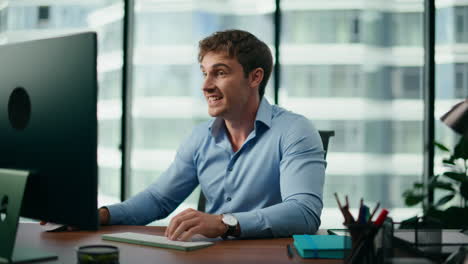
(235, 251)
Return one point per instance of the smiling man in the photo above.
(260, 167)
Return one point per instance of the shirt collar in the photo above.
(264, 115)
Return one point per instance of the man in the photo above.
(260, 167)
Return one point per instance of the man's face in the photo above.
(225, 87)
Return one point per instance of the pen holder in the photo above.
(362, 247)
(370, 244)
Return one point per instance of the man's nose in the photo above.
(208, 84)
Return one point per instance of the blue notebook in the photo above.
(322, 246)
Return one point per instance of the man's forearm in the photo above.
(296, 216)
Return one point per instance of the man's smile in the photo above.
(214, 100)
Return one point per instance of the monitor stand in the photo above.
(12, 186)
(28, 255)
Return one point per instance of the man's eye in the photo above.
(220, 73)
(204, 74)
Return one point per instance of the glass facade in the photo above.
(168, 100)
(451, 75)
(26, 20)
(355, 67)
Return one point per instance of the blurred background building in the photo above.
(353, 66)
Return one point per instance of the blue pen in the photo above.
(367, 213)
(363, 214)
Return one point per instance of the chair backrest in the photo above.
(325, 135)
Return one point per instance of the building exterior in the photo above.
(353, 66)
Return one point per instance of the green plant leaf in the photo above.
(418, 185)
(413, 199)
(461, 149)
(461, 177)
(448, 161)
(444, 200)
(407, 193)
(441, 146)
(464, 190)
(443, 185)
(409, 223)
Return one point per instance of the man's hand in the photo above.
(61, 228)
(191, 222)
(104, 216)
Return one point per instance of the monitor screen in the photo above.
(48, 125)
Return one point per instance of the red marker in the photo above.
(383, 214)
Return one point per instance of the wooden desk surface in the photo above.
(64, 244)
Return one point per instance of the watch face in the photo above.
(229, 220)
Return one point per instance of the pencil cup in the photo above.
(362, 243)
(98, 254)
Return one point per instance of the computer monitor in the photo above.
(48, 126)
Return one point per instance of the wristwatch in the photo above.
(231, 222)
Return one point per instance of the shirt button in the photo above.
(229, 168)
(228, 199)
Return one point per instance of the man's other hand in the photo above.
(60, 228)
(191, 222)
(104, 216)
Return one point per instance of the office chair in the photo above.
(325, 135)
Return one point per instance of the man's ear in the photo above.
(256, 77)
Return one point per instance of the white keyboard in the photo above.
(155, 241)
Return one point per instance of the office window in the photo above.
(407, 28)
(451, 70)
(323, 80)
(349, 135)
(461, 80)
(451, 88)
(373, 21)
(346, 80)
(461, 23)
(445, 29)
(406, 82)
(167, 95)
(320, 25)
(25, 20)
(152, 80)
(169, 132)
(43, 14)
(357, 70)
(406, 136)
(355, 32)
(451, 76)
(3, 18)
(348, 67)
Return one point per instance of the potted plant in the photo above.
(453, 183)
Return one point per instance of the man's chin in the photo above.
(214, 113)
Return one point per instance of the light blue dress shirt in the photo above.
(273, 184)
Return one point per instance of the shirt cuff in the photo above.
(251, 225)
(116, 214)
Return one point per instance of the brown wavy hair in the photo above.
(251, 52)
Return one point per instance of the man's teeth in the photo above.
(214, 98)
